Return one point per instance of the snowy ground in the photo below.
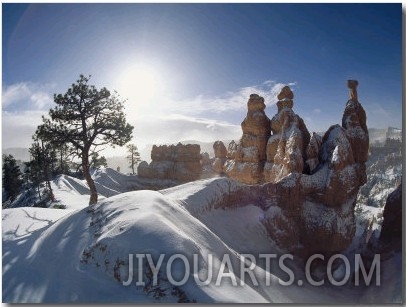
(81, 255)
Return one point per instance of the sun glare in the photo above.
(139, 83)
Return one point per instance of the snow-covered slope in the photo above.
(68, 190)
(81, 247)
(383, 176)
(82, 254)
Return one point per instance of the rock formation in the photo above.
(392, 218)
(318, 203)
(329, 195)
(175, 162)
(250, 154)
(286, 148)
(310, 182)
(220, 156)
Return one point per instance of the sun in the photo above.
(139, 83)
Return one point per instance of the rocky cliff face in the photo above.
(310, 182)
(176, 162)
(250, 153)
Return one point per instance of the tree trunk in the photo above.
(89, 179)
(51, 192)
(61, 162)
(132, 162)
(39, 193)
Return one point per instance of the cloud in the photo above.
(15, 93)
(203, 118)
(41, 100)
(18, 127)
(23, 104)
(230, 101)
(27, 96)
(177, 127)
(236, 100)
(317, 111)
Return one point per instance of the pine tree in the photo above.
(85, 117)
(12, 177)
(97, 161)
(62, 152)
(133, 157)
(42, 164)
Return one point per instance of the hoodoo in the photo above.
(250, 153)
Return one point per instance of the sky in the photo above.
(187, 70)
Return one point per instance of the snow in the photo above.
(336, 144)
(80, 255)
(22, 222)
(134, 222)
(391, 279)
(235, 227)
(71, 192)
(336, 156)
(383, 175)
(202, 195)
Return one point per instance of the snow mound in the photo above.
(75, 251)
